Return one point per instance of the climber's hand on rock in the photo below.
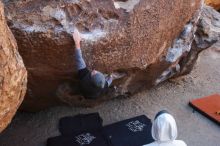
(77, 38)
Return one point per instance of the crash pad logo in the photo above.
(84, 139)
(135, 126)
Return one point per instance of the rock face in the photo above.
(213, 3)
(135, 37)
(207, 36)
(13, 75)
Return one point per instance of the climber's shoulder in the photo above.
(83, 73)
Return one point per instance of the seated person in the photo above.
(164, 131)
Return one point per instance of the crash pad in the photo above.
(87, 138)
(208, 106)
(80, 123)
(131, 132)
(87, 129)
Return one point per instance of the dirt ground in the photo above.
(33, 129)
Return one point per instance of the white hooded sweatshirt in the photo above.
(164, 131)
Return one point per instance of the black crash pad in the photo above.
(80, 123)
(87, 130)
(82, 139)
(132, 132)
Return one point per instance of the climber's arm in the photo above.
(80, 63)
(109, 80)
(114, 76)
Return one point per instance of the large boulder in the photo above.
(13, 75)
(207, 36)
(213, 3)
(134, 37)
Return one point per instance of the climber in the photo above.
(93, 83)
(164, 131)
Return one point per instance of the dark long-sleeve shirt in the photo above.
(81, 66)
(87, 88)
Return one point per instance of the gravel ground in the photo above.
(28, 129)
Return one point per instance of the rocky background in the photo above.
(13, 75)
(33, 129)
(149, 41)
(131, 37)
(214, 3)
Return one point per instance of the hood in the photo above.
(164, 128)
